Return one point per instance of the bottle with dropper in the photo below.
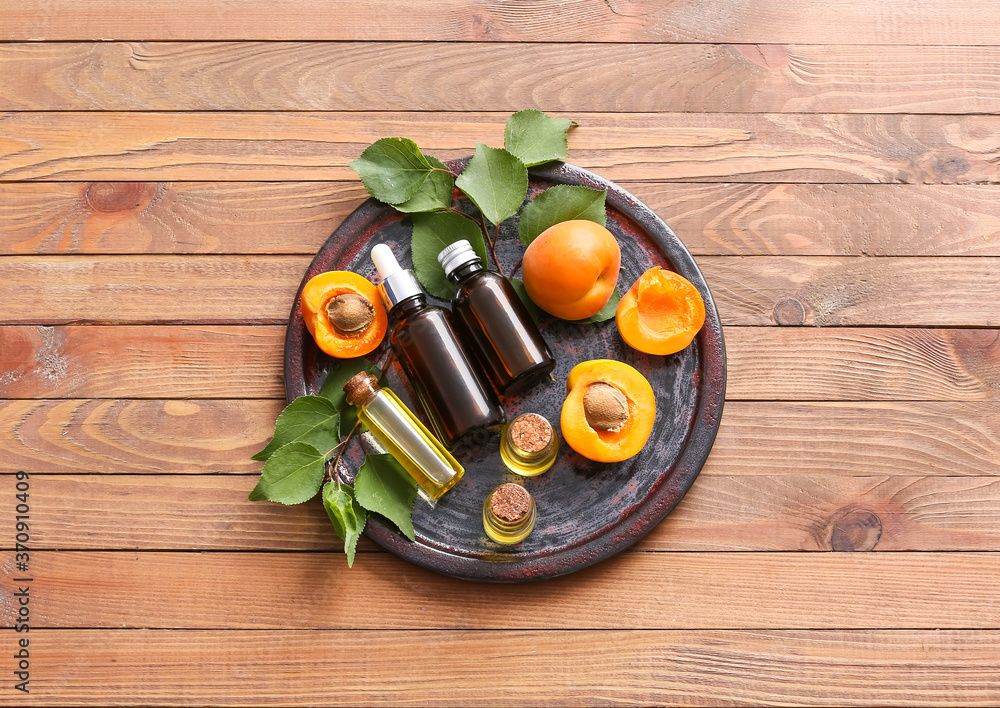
(454, 395)
(405, 437)
(489, 313)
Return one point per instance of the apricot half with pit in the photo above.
(609, 410)
(571, 269)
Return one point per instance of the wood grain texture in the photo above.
(719, 513)
(757, 291)
(831, 291)
(863, 364)
(792, 364)
(138, 289)
(141, 362)
(444, 76)
(186, 437)
(545, 668)
(129, 436)
(174, 217)
(769, 21)
(256, 590)
(297, 217)
(842, 148)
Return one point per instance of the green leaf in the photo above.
(535, 137)
(431, 233)
(291, 475)
(347, 516)
(607, 312)
(529, 305)
(383, 486)
(392, 169)
(309, 419)
(495, 181)
(563, 202)
(344, 370)
(434, 193)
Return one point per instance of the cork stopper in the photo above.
(510, 502)
(360, 386)
(531, 433)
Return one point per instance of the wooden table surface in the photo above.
(168, 171)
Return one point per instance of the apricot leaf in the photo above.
(392, 169)
(292, 475)
(347, 516)
(434, 193)
(431, 233)
(607, 312)
(309, 419)
(529, 304)
(563, 202)
(383, 486)
(534, 137)
(496, 182)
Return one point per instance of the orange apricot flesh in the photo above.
(661, 313)
(607, 445)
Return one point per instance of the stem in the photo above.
(517, 267)
(493, 250)
(343, 446)
(438, 169)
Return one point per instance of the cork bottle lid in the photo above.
(360, 385)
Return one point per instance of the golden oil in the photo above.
(509, 514)
(529, 445)
(404, 437)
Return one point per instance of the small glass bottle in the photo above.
(454, 394)
(509, 513)
(529, 445)
(492, 317)
(405, 437)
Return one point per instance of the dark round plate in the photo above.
(587, 511)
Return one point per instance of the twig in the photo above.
(342, 446)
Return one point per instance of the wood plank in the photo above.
(172, 217)
(829, 291)
(192, 437)
(771, 21)
(436, 76)
(129, 436)
(142, 362)
(764, 363)
(544, 668)
(719, 513)
(255, 590)
(711, 147)
(758, 291)
(143, 289)
(862, 364)
(297, 217)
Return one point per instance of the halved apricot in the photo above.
(344, 313)
(661, 313)
(592, 422)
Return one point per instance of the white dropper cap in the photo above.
(397, 284)
(385, 261)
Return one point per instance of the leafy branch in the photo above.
(295, 469)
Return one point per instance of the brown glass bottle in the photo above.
(454, 395)
(488, 312)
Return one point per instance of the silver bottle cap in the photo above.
(397, 284)
(457, 255)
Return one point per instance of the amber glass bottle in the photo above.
(454, 395)
(491, 316)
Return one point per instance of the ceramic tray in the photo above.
(587, 511)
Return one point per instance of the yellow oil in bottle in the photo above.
(542, 444)
(509, 514)
(406, 438)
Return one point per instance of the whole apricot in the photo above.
(609, 410)
(571, 269)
